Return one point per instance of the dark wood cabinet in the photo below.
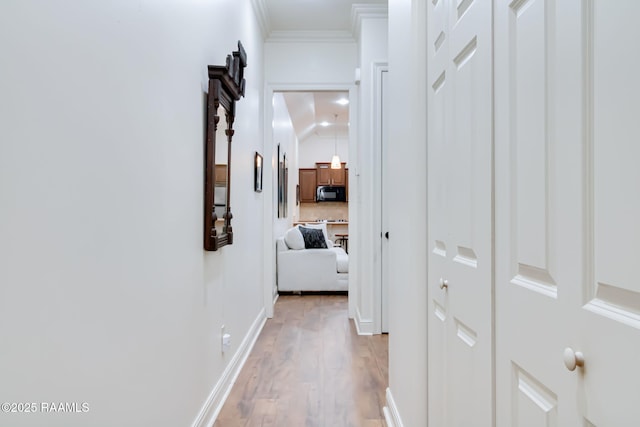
(324, 173)
(328, 176)
(338, 176)
(307, 179)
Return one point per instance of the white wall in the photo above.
(408, 218)
(314, 63)
(106, 295)
(321, 149)
(365, 235)
(285, 136)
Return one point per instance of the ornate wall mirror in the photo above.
(226, 86)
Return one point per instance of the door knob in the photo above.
(573, 358)
(386, 235)
(444, 283)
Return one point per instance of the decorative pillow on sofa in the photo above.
(313, 238)
(323, 227)
(293, 238)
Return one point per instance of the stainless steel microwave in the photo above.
(326, 193)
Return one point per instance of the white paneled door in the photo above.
(460, 212)
(567, 213)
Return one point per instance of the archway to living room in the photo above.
(309, 128)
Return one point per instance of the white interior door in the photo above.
(438, 101)
(460, 213)
(567, 209)
(531, 243)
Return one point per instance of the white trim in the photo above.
(366, 11)
(262, 15)
(377, 68)
(391, 414)
(221, 390)
(310, 37)
(363, 326)
(268, 213)
(354, 256)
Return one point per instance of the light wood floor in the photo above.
(309, 368)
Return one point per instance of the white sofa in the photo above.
(312, 269)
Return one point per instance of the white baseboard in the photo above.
(391, 414)
(363, 326)
(221, 390)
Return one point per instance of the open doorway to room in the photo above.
(309, 128)
(311, 134)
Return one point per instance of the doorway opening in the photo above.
(310, 127)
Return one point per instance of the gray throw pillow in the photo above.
(313, 238)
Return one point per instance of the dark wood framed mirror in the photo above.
(226, 86)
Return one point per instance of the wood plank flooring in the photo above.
(309, 368)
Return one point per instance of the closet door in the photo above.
(567, 209)
(460, 213)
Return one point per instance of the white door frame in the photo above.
(380, 215)
(269, 248)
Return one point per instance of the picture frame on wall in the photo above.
(257, 187)
(282, 183)
(285, 186)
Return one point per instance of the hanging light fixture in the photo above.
(335, 160)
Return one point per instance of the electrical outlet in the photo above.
(226, 342)
(225, 339)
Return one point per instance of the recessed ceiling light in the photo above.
(343, 101)
(324, 124)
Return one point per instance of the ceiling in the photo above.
(311, 15)
(314, 113)
(309, 109)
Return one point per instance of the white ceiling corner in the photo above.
(317, 19)
(261, 11)
(308, 109)
(360, 11)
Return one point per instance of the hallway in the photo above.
(310, 368)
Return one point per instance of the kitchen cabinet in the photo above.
(339, 176)
(307, 179)
(328, 176)
(324, 173)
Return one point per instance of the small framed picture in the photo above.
(258, 173)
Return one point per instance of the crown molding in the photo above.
(310, 37)
(361, 11)
(262, 14)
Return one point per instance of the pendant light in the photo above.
(335, 160)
